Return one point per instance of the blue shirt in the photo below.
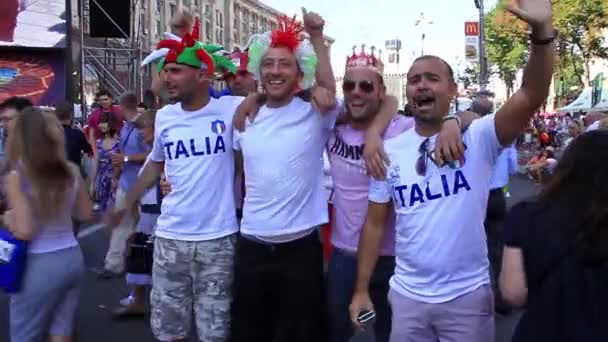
(217, 94)
(506, 165)
(131, 142)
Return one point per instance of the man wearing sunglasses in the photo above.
(365, 99)
(440, 290)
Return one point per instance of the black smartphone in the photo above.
(366, 317)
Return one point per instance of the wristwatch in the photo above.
(126, 159)
(543, 41)
(452, 117)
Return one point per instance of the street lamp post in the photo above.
(421, 22)
(483, 61)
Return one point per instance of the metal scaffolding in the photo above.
(113, 62)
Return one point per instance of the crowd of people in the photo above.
(422, 245)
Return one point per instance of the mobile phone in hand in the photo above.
(366, 317)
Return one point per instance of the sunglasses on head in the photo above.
(425, 155)
(365, 86)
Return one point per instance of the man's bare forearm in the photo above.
(388, 109)
(516, 113)
(148, 177)
(369, 243)
(367, 256)
(138, 158)
(324, 73)
(538, 72)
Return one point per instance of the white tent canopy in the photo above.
(581, 104)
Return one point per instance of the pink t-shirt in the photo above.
(351, 185)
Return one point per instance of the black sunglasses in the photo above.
(425, 155)
(365, 86)
(421, 163)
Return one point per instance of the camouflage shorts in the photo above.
(192, 278)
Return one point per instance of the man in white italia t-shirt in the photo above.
(440, 290)
(194, 249)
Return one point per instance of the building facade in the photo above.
(226, 22)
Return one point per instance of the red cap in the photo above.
(240, 60)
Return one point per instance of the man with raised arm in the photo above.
(440, 290)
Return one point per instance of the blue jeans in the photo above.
(341, 278)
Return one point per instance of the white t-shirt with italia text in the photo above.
(196, 148)
(441, 249)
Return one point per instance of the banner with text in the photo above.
(471, 41)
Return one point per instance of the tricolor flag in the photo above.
(218, 127)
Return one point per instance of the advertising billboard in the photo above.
(471, 41)
(37, 75)
(33, 23)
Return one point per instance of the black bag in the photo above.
(140, 253)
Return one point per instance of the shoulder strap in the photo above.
(124, 144)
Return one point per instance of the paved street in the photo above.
(99, 297)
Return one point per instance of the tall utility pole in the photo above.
(422, 22)
(483, 60)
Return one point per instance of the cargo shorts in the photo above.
(192, 279)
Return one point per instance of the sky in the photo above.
(372, 22)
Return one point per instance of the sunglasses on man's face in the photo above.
(365, 86)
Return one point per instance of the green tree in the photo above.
(506, 46)
(469, 76)
(580, 24)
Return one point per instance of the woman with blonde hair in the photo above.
(44, 192)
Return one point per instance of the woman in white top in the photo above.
(44, 192)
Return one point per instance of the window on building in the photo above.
(142, 23)
(219, 36)
(221, 21)
(217, 16)
(159, 6)
(158, 28)
(208, 30)
(207, 11)
(173, 10)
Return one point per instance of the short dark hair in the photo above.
(64, 111)
(484, 93)
(129, 101)
(17, 103)
(481, 108)
(111, 120)
(450, 70)
(103, 92)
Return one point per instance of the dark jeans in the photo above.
(279, 291)
(341, 279)
(495, 215)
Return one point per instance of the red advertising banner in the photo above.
(471, 28)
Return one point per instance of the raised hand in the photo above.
(536, 13)
(313, 23)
